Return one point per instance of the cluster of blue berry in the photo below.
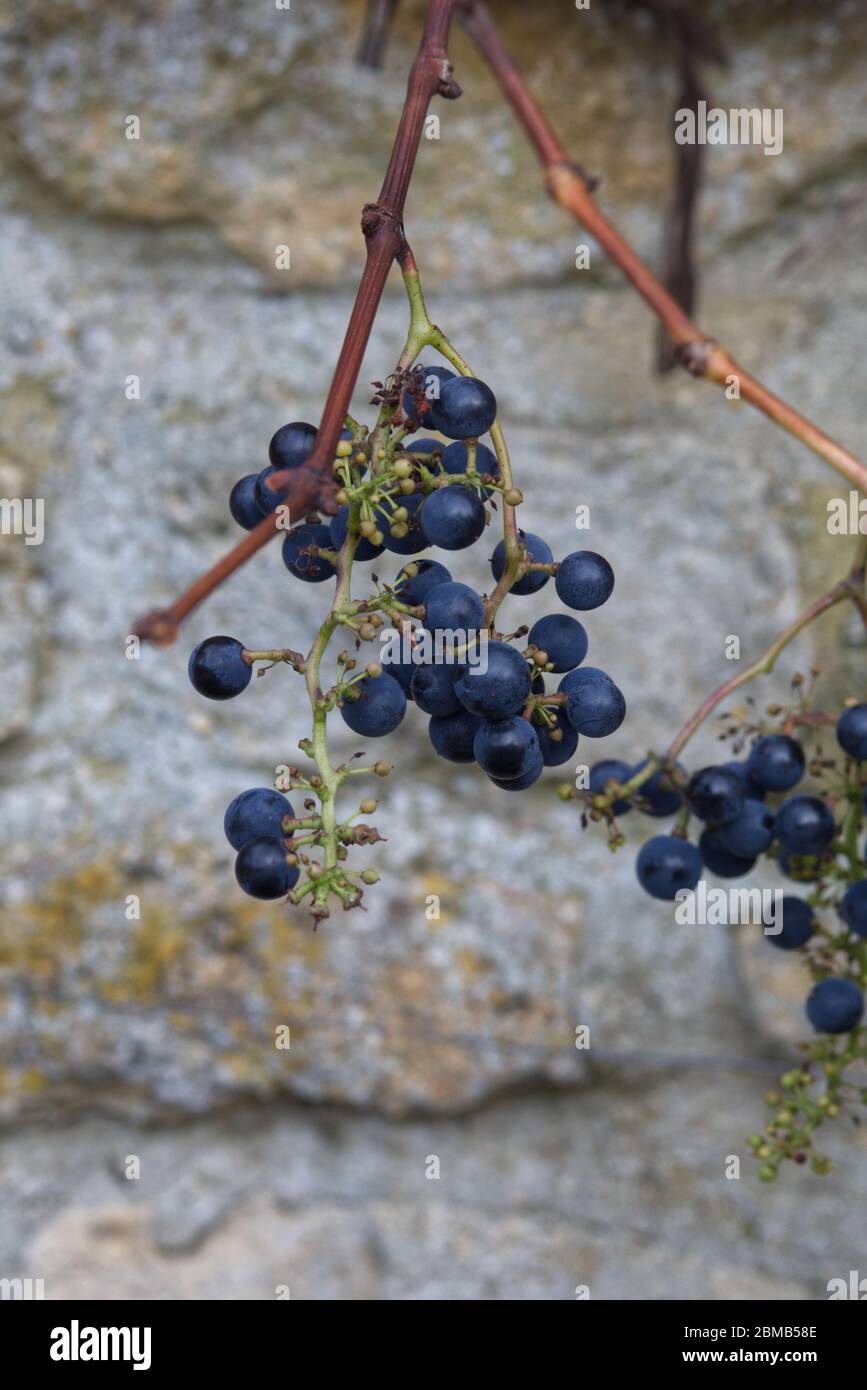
(486, 700)
(801, 831)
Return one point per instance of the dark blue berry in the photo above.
(853, 907)
(452, 735)
(776, 762)
(379, 707)
(835, 1005)
(573, 679)
(217, 669)
(433, 689)
(453, 517)
(500, 690)
(666, 864)
(751, 831)
(299, 542)
(852, 732)
(595, 707)
(804, 824)
(506, 748)
(259, 811)
(242, 502)
(292, 444)
(364, 550)
(562, 637)
(261, 868)
(715, 794)
(658, 796)
(538, 552)
(527, 778)
(584, 580)
(418, 403)
(611, 770)
(719, 859)
(415, 538)
(466, 408)
(795, 920)
(425, 446)
(267, 500)
(555, 752)
(456, 458)
(752, 790)
(401, 671)
(414, 589)
(453, 607)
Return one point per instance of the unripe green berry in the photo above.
(407, 486)
(367, 527)
(368, 806)
(341, 497)
(344, 448)
(767, 1173)
(402, 468)
(399, 530)
(382, 768)
(513, 497)
(367, 632)
(370, 876)
(373, 669)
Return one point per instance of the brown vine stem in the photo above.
(570, 187)
(850, 587)
(312, 486)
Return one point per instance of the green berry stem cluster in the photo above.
(392, 472)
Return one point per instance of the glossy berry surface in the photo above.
(364, 550)
(584, 580)
(291, 445)
(611, 770)
(555, 752)
(852, 732)
(719, 859)
(506, 748)
(401, 671)
(242, 502)
(466, 408)
(595, 707)
(527, 778)
(752, 790)
(217, 670)
(500, 690)
(379, 708)
(657, 796)
(751, 832)
(666, 864)
(299, 542)
(795, 919)
(261, 868)
(452, 735)
(539, 553)
(715, 794)
(453, 607)
(776, 762)
(267, 500)
(433, 689)
(573, 679)
(853, 907)
(453, 517)
(414, 589)
(259, 811)
(562, 638)
(835, 1005)
(804, 824)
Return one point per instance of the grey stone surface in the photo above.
(154, 259)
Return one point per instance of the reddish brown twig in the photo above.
(700, 355)
(382, 225)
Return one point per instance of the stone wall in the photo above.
(410, 1038)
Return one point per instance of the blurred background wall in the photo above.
(410, 1039)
